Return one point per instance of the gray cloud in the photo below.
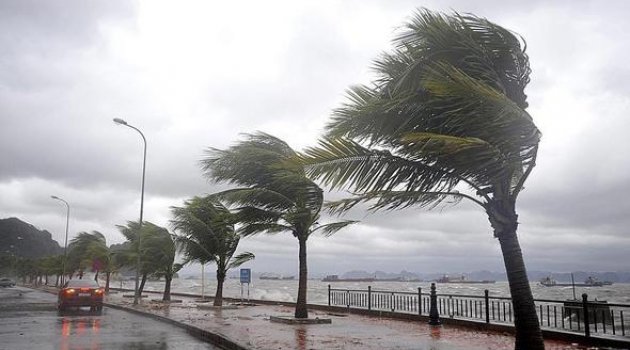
(192, 78)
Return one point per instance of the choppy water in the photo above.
(283, 290)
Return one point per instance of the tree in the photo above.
(90, 251)
(275, 195)
(136, 246)
(103, 259)
(444, 120)
(87, 251)
(159, 249)
(52, 265)
(208, 235)
(26, 268)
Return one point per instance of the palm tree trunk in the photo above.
(503, 219)
(300, 307)
(107, 276)
(167, 287)
(218, 298)
(142, 282)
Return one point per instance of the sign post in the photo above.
(246, 277)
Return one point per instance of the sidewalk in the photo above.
(249, 327)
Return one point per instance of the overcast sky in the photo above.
(195, 74)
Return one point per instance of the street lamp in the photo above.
(65, 245)
(136, 294)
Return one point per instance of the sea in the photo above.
(286, 290)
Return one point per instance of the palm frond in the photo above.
(240, 260)
(392, 200)
(341, 162)
(273, 194)
(252, 162)
(253, 228)
(257, 197)
(450, 99)
(331, 228)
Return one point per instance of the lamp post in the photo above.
(136, 295)
(65, 245)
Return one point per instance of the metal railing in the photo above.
(579, 316)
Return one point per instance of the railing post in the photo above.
(587, 329)
(369, 297)
(329, 295)
(434, 316)
(392, 300)
(419, 301)
(487, 300)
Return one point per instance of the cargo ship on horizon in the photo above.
(462, 279)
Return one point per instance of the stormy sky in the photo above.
(196, 74)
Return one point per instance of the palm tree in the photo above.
(88, 250)
(25, 268)
(159, 248)
(275, 194)
(51, 265)
(208, 235)
(104, 260)
(445, 120)
(128, 257)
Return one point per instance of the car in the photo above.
(6, 282)
(78, 293)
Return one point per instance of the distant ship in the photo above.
(335, 278)
(398, 279)
(269, 276)
(462, 279)
(589, 282)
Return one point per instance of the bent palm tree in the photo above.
(208, 235)
(445, 120)
(275, 195)
(136, 246)
(159, 248)
(86, 251)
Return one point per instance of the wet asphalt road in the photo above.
(29, 320)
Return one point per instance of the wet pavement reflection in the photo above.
(29, 320)
(300, 338)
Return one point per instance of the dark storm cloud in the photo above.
(43, 44)
(39, 37)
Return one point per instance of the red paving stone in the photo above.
(249, 326)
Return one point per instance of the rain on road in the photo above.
(29, 320)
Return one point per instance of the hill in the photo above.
(25, 240)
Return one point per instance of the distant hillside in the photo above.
(25, 240)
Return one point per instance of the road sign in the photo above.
(246, 276)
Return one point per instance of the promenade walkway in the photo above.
(249, 327)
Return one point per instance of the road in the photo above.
(29, 320)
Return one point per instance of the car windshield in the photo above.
(87, 283)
